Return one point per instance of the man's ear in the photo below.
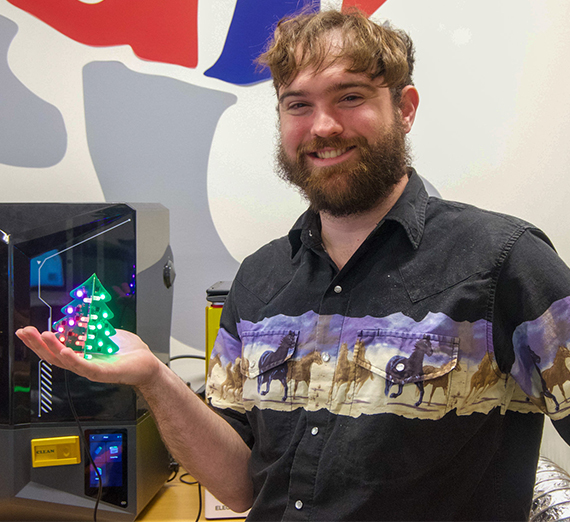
(409, 102)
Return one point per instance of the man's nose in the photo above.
(326, 124)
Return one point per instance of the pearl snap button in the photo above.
(338, 289)
(400, 367)
(314, 431)
(299, 504)
(326, 357)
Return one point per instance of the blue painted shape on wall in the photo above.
(251, 27)
(32, 131)
(149, 138)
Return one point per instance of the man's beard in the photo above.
(346, 189)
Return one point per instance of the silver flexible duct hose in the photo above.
(551, 499)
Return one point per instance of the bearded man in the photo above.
(378, 293)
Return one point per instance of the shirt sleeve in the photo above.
(531, 322)
(224, 383)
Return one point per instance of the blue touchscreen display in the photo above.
(107, 453)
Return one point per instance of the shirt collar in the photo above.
(409, 211)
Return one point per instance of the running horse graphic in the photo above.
(402, 368)
(273, 366)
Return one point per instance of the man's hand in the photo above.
(134, 364)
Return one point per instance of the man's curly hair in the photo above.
(302, 42)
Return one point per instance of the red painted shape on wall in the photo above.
(157, 30)
(366, 6)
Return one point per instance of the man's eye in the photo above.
(297, 106)
(352, 98)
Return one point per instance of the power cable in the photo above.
(84, 450)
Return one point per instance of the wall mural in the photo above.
(32, 132)
(148, 136)
(165, 31)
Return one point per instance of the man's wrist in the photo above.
(155, 379)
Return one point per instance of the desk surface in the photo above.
(176, 501)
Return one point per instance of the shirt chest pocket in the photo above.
(409, 366)
(264, 366)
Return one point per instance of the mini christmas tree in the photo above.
(85, 327)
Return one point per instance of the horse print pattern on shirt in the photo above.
(386, 365)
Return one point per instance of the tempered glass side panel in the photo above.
(57, 262)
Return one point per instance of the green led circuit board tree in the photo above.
(85, 327)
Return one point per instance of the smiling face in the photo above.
(342, 139)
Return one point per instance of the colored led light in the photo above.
(85, 317)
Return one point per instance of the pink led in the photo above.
(71, 322)
(79, 293)
(69, 310)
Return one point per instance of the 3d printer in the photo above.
(46, 251)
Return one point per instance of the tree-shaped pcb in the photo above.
(86, 327)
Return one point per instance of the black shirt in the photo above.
(409, 385)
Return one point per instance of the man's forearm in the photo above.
(201, 441)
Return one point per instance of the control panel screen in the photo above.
(108, 451)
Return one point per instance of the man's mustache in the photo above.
(335, 142)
